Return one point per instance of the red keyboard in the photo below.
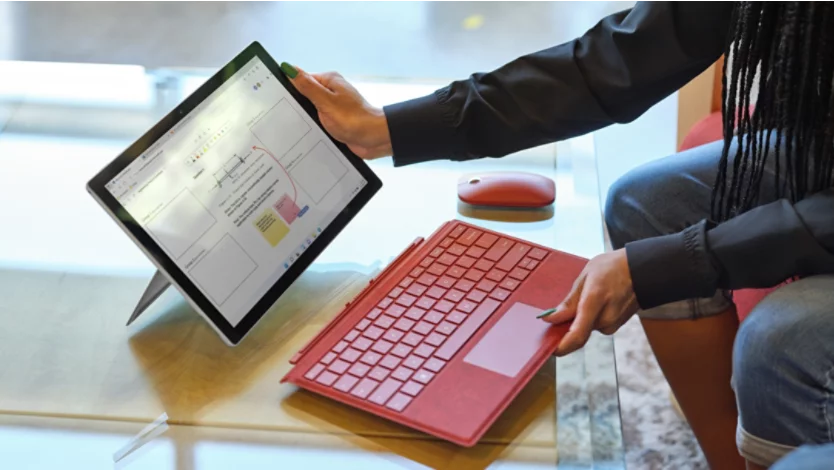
(398, 347)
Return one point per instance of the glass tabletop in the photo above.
(79, 385)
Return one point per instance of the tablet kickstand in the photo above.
(155, 288)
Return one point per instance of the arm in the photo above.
(759, 248)
(612, 74)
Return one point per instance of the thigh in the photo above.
(783, 365)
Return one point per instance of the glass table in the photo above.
(77, 385)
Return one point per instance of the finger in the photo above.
(567, 309)
(609, 322)
(309, 86)
(589, 308)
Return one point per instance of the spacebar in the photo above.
(467, 329)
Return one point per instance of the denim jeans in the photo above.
(783, 359)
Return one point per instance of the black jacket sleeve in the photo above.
(759, 248)
(612, 74)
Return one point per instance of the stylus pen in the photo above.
(147, 434)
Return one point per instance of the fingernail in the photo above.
(289, 70)
(546, 313)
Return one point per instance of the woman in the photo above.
(751, 211)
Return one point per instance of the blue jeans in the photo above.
(783, 359)
(808, 458)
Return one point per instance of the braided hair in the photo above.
(788, 45)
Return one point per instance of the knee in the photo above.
(626, 205)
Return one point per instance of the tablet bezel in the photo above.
(233, 334)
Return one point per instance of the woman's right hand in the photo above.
(344, 113)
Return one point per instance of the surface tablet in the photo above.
(236, 191)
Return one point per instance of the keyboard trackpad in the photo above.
(512, 342)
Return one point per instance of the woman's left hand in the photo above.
(602, 299)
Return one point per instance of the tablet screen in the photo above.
(238, 189)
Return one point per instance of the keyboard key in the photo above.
(509, 284)
(404, 324)
(414, 362)
(379, 373)
(384, 322)
(350, 355)
(395, 292)
(363, 324)
(412, 339)
(525, 263)
(402, 373)
(456, 250)
(433, 317)
(447, 242)
(424, 350)
(338, 366)
(486, 240)
(401, 350)
(513, 256)
(500, 294)
(438, 292)
(458, 231)
(435, 339)
(425, 303)
(364, 388)
(374, 314)
(424, 328)
(476, 295)
(454, 295)
(390, 362)
(371, 358)
(427, 279)
(406, 282)
(346, 383)
(416, 272)
(327, 378)
(412, 388)
(484, 265)
(475, 252)
(384, 303)
(519, 273)
(469, 238)
(456, 317)
(474, 275)
(465, 261)
(373, 332)
(384, 391)
(417, 290)
(382, 346)
(416, 313)
(467, 306)
(464, 285)
(328, 358)
(423, 376)
(496, 275)
(446, 282)
(314, 372)
(436, 252)
(537, 253)
(395, 310)
(434, 364)
(467, 329)
(446, 328)
(362, 344)
(447, 259)
(359, 369)
(499, 249)
(427, 261)
(340, 347)
(406, 300)
(456, 272)
(399, 402)
(352, 335)
(444, 306)
(437, 269)
(533, 265)
(486, 285)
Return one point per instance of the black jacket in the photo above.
(616, 71)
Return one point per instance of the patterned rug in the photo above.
(655, 436)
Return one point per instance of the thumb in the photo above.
(562, 313)
(307, 85)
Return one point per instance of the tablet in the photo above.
(235, 192)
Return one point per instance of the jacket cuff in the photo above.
(420, 129)
(672, 267)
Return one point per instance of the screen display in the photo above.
(238, 189)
